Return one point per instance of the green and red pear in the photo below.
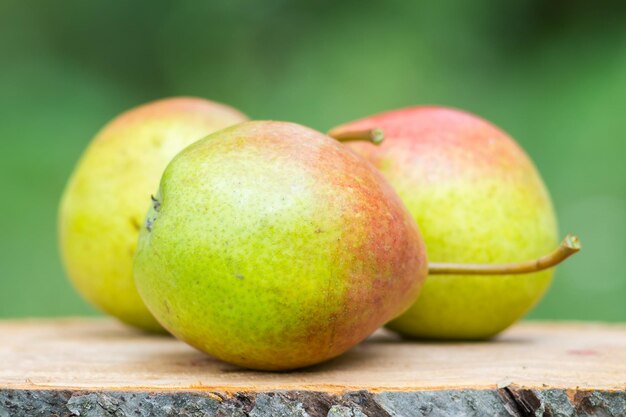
(103, 206)
(477, 198)
(272, 246)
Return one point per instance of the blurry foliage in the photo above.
(552, 73)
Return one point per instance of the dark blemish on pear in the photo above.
(156, 204)
(134, 223)
(239, 276)
(150, 223)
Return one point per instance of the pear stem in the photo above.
(569, 246)
(375, 136)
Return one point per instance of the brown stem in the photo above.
(375, 136)
(569, 246)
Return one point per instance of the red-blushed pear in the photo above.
(478, 199)
(272, 246)
(103, 205)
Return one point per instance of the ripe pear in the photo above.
(272, 246)
(103, 206)
(477, 198)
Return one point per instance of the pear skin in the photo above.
(104, 203)
(477, 198)
(272, 246)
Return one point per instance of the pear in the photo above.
(103, 206)
(272, 246)
(478, 199)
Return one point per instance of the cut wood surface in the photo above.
(533, 366)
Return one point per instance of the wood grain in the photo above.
(532, 366)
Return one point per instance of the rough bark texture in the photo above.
(506, 401)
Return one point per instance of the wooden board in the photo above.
(99, 367)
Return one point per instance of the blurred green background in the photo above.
(550, 72)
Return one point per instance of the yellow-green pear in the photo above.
(478, 199)
(271, 246)
(104, 203)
